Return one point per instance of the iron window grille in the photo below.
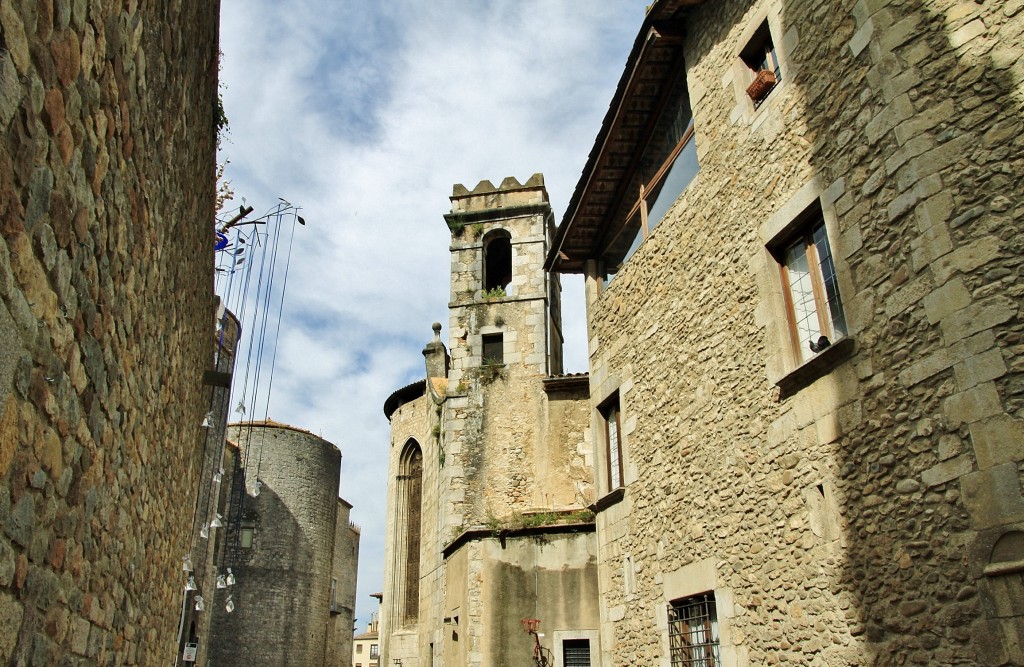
(693, 632)
(576, 653)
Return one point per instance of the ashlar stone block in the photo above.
(998, 440)
(993, 496)
(973, 405)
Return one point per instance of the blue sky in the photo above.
(365, 114)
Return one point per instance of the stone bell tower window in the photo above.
(497, 261)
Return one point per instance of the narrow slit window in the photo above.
(613, 441)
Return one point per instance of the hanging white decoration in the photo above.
(199, 603)
(204, 532)
(230, 578)
(190, 585)
(229, 606)
(217, 521)
(208, 420)
(186, 563)
(221, 583)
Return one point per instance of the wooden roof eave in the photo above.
(659, 31)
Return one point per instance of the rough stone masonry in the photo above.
(107, 118)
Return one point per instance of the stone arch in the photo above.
(497, 247)
(410, 505)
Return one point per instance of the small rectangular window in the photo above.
(815, 308)
(576, 653)
(613, 441)
(374, 650)
(359, 648)
(493, 352)
(760, 56)
(334, 593)
(693, 632)
(245, 534)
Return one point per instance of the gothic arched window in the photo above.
(410, 501)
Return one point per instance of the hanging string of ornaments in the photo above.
(251, 284)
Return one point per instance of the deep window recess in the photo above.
(816, 318)
(374, 650)
(493, 352)
(613, 441)
(760, 57)
(668, 164)
(576, 653)
(498, 262)
(693, 632)
(245, 534)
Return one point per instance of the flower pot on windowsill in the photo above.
(762, 84)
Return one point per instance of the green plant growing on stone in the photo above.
(478, 230)
(493, 293)
(461, 387)
(499, 321)
(456, 228)
(436, 432)
(491, 370)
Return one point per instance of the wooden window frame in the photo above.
(803, 234)
(611, 412)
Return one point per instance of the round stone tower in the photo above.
(279, 541)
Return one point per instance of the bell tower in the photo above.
(505, 309)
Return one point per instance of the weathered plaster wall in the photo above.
(552, 578)
(106, 312)
(848, 523)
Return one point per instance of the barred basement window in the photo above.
(576, 653)
(693, 631)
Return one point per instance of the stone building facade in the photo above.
(804, 433)
(489, 464)
(106, 199)
(344, 570)
(805, 334)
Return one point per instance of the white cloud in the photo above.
(366, 114)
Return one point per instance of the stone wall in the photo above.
(343, 570)
(851, 520)
(106, 200)
(282, 594)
